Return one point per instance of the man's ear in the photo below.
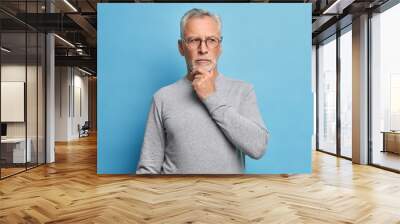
(219, 51)
(180, 47)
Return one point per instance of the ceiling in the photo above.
(75, 22)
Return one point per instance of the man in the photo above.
(205, 122)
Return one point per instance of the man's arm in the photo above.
(152, 154)
(244, 127)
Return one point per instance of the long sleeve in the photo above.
(152, 153)
(244, 128)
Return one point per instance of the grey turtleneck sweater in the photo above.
(187, 135)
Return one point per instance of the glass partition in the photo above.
(22, 101)
(14, 153)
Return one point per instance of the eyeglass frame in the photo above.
(201, 41)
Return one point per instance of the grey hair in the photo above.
(198, 13)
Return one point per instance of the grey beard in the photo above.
(209, 67)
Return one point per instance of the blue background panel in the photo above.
(268, 45)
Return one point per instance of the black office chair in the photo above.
(84, 130)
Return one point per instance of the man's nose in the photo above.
(203, 48)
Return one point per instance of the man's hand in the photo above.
(203, 82)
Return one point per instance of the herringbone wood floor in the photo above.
(70, 191)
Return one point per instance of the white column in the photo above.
(360, 90)
(50, 93)
(314, 92)
(50, 100)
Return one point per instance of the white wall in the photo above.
(71, 87)
(79, 117)
(15, 72)
(62, 82)
(12, 73)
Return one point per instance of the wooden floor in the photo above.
(70, 191)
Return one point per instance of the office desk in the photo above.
(391, 141)
(13, 150)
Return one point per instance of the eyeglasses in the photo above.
(211, 42)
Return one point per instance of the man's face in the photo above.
(201, 28)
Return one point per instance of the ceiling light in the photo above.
(5, 50)
(70, 5)
(338, 6)
(84, 71)
(65, 41)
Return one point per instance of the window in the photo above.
(327, 95)
(346, 92)
(385, 88)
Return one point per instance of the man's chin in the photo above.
(205, 66)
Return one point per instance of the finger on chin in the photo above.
(203, 71)
(198, 76)
(195, 82)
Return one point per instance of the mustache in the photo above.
(203, 59)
